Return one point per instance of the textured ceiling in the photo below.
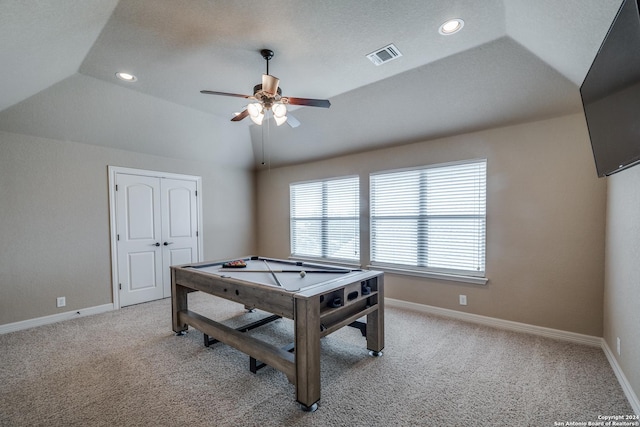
(514, 61)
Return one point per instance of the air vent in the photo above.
(386, 54)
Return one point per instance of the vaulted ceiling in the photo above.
(513, 61)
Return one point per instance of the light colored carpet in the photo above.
(127, 368)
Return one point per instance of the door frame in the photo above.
(113, 171)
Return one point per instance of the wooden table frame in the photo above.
(359, 293)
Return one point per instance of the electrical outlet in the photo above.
(463, 300)
(61, 302)
(618, 345)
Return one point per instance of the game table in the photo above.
(320, 299)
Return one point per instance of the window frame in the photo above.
(325, 220)
(469, 276)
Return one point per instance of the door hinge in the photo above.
(116, 187)
(117, 237)
(120, 286)
(196, 233)
(196, 193)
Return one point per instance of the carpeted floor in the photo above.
(127, 368)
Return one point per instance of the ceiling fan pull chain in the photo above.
(262, 129)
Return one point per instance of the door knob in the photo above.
(167, 243)
(156, 244)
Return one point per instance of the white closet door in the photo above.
(156, 217)
(179, 226)
(139, 231)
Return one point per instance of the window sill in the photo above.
(431, 275)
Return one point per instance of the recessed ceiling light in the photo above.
(451, 26)
(126, 77)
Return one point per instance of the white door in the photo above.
(139, 232)
(156, 223)
(179, 226)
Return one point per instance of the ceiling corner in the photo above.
(554, 37)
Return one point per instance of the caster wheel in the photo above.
(311, 408)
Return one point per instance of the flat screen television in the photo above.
(611, 94)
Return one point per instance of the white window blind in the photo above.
(325, 219)
(431, 219)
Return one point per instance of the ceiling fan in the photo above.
(269, 98)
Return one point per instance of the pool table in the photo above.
(320, 299)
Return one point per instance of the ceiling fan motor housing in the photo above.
(268, 92)
(258, 88)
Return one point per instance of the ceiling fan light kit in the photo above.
(269, 98)
(256, 112)
(279, 113)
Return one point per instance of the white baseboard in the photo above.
(498, 323)
(622, 379)
(531, 329)
(46, 320)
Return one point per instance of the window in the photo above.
(431, 219)
(325, 219)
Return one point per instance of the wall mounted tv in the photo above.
(611, 94)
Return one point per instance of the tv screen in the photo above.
(611, 94)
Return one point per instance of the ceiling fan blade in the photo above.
(211, 92)
(240, 116)
(270, 84)
(324, 103)
(292, 121)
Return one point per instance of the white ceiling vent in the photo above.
(386, 54)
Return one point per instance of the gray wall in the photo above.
(54, 220)
(622, 278)
(545, 230)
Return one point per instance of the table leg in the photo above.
(375, 323)
(178, 303)
(307, 352)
